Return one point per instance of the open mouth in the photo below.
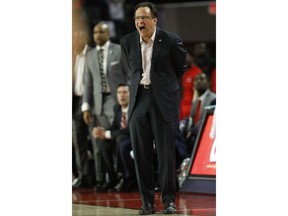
(141, 28)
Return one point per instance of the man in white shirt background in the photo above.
(80, 129)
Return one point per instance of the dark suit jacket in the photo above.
(115, 127)
(167, 66)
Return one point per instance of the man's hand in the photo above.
(87, 117)
(99, 132)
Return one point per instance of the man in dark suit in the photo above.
(102, 74)
(155, 59)
(116, 139)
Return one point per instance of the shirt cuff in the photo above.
(85, 107)
(108, 134)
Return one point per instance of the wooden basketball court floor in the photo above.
(88, 202)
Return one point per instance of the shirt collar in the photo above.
(202, 97)
(104, 47)
(152, 38)
(125, 109)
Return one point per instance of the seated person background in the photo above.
(203, 59)
(116, 141)
(189, 126)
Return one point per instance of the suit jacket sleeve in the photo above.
(88, 84)
(179, 57)
(125, 66)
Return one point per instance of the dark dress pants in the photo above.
(126, 160)
(107, 150)
(147, 124)
(80, 135)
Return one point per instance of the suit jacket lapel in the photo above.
(207, 99)
(109, 57)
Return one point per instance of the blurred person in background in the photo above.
(203, 59)
(102, 74)
(190, 126)
(188, 87)
(80, 129)
(116, 140)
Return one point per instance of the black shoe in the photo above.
(80, 184)
(109, 185)
(132, 186)
(75, 182)
(127, 185)
(170, 209)
(147, 209)
(121, 186)
(98, 185)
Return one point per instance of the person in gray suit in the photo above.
(156, 60)
(102, 74)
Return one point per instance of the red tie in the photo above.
(197, 114)
(123, 121)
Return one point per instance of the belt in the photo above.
(106, 93)
(146, 86)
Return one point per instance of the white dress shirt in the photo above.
(146, 51)
(79, 72)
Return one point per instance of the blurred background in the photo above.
(194, 21)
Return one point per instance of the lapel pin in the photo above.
(160, 40)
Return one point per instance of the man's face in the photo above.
(201, 82)
(144, 21)
(101, 34)
(123, 95)
(200, 50)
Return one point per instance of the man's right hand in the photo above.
(87, 117)
(98, 132)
